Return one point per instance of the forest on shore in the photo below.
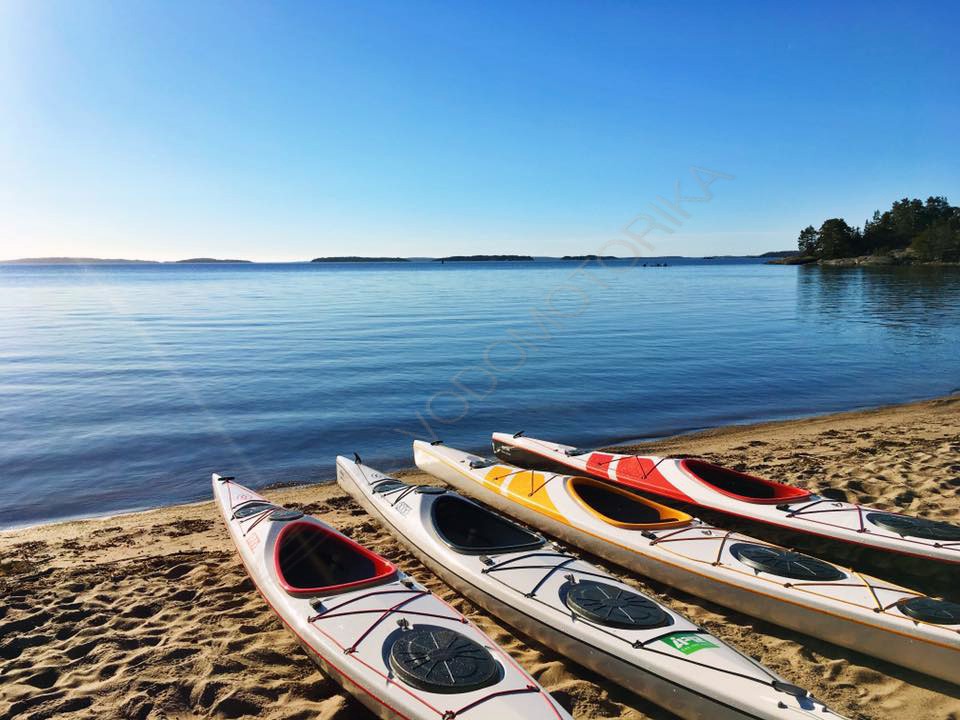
(929, 231)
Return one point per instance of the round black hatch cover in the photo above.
(926, 609)
(284, 514)
(615, 607)
(439, 660)
(252, 508)
(907, 526)
(785, 563)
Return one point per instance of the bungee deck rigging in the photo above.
(571, 605)
(700, 484)
(756, 577)
(369, 626)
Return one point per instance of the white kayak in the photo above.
(400, 650)
(574, 607)
(760, 579)
(702, 484)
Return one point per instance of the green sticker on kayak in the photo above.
(687, 643)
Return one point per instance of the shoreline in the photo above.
(149, 613)
(800, 421)
(862, 261)
(651, 445)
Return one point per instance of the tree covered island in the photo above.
(485, 258)
(358, 259)
(910, 231)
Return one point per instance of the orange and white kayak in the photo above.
(399, 649)
(701, 484)
(757, 578)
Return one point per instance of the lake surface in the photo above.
(124, 387)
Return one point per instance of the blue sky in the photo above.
(284, 131)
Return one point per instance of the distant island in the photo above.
(911, 231)
(794, 259)
(775, 257)
(589, 257)
(484, 258)
(75, 261)
(771, 254)
(357, 259)
(211, 260)
(776, 254)
(109, 261)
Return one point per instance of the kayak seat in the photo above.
(622, 508)
(474, 530)
(310, 558)
(742, 486)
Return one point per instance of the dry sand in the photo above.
(151, 615)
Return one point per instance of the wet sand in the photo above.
(150, 615)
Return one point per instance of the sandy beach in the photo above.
(150, 615)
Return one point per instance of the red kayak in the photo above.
(703, 484)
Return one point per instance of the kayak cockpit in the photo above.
(472, 530)
(742, 486)
(312, 559)
(623, 508)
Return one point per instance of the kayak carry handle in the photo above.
(789, 689)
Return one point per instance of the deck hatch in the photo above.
(614, 606)
(440, 660)
(785, 563)
(907, 526)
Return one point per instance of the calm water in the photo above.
(124, 387)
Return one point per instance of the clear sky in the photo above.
(285, 131)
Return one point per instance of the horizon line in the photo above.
(84, 260)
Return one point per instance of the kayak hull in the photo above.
(349, 629)
(683, 703)
(331, 670)
(634, 668)
(935, 652)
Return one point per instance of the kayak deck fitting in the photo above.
(573, 606)
(698, 483)
(796, 591)
(399, 649)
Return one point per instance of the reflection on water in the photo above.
(916, 300)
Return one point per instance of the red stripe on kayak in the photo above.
(676, 494)
(641, 473)
(632, 471)
(596, 464)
